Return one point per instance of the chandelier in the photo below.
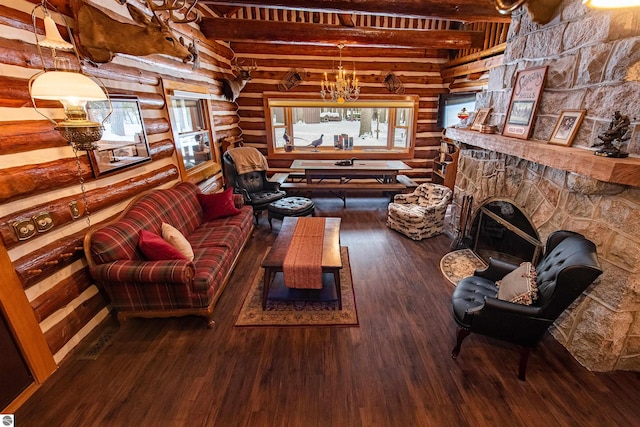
(344, 88)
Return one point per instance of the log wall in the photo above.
(418, 69)
(39, 171)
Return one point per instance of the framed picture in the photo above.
(567, 127)
(525, 98)
(480, 118)
(124, 141)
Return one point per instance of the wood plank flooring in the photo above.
(394, 369)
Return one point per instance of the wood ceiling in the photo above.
(425, 24)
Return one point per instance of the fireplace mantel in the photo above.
(577, 160)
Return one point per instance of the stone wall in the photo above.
(594, 64)
(593, 59)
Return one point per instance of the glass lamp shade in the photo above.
(66, 85)
(53, 39)
(73, 90)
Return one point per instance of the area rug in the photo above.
(457, 265)
(301, 313)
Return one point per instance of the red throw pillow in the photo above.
(155, 248)
(217, 205)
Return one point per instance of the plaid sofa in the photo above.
(141, 288)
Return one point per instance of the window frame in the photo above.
(180, 90)
(392, 102)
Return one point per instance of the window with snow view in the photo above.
(382, 129)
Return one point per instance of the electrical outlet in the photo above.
(74, 210)
(43, 221)
(24, 228)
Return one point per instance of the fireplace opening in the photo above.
(501, 230)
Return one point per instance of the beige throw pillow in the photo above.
(177, 240)
(519, 286)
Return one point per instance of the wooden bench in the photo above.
(340, 189)
(408, 182)
(280, 177)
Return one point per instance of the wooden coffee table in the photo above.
(331, 265)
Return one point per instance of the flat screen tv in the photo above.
(449, 104)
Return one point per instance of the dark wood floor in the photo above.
(394, 369)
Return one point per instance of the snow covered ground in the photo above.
(307, 132)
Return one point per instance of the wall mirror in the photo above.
(124, 141)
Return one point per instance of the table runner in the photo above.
(302, 266)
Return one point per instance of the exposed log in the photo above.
(249, 31)
(229, 133)
(155, 126)
(23, 181)
(253, 125)
(360, 63)
(225, 120)
(27, 135)
(97, 199)
(349, 51)
(479, 66)
(459, 10)
(161, 149)
(61, 294)
(14, 92)
(251, 113)
(495, 50)
(50, 258)
(62, 332)
(223, 106)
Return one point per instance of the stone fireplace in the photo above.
(602, 328)
(593, 60)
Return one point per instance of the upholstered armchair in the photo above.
(245, 170)
(420, 214)
(569, 266)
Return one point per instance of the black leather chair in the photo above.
(257, 191)
(569, 266)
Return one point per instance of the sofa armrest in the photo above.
(271, 185)
(238, 200)
(405, 199)
(128, 271)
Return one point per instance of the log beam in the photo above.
(459, 10)
(246, 30)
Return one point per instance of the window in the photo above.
(190, 115)
(382, 129)
(190, 127)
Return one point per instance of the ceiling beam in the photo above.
(455, 10)
(245, 30)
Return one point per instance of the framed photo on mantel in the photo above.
(525, 98)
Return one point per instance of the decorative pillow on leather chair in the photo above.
(155, 248)
(519, 286)
(175, 238)
(218, 205)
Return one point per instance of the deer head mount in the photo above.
(231, 88)
(101, 36)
